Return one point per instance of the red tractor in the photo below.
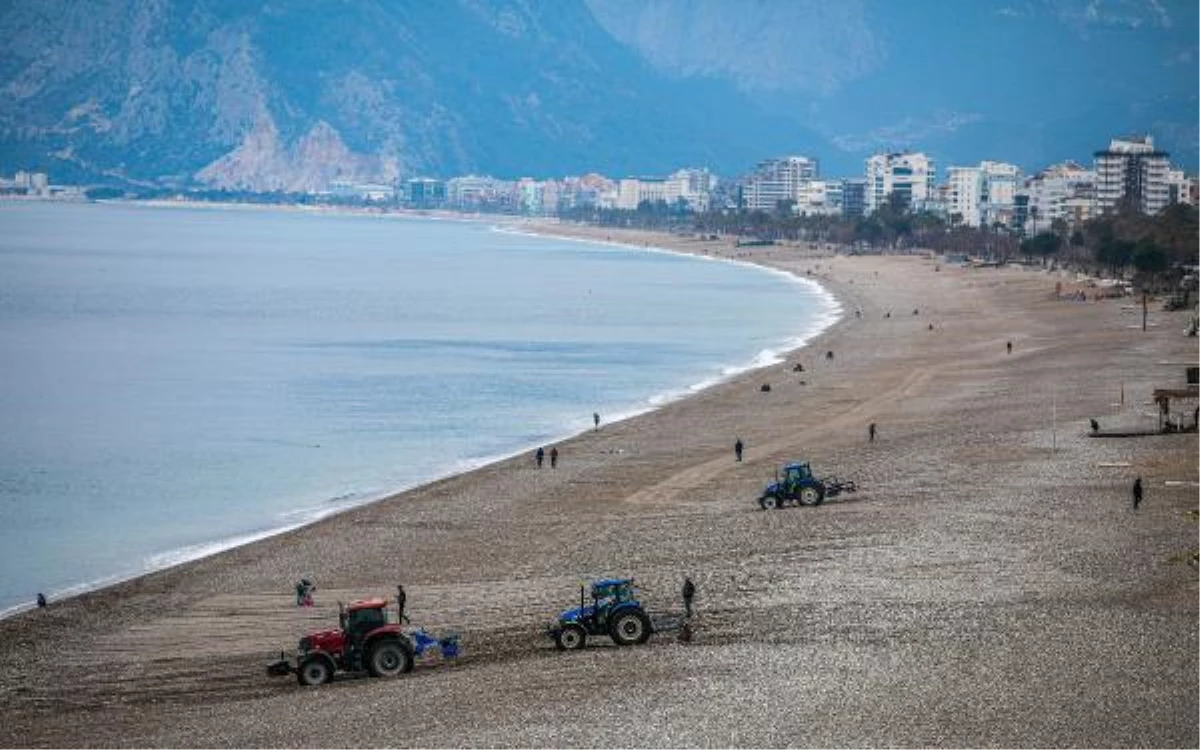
(365, 642)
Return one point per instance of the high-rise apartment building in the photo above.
(909, 175)
(1132, 171)
(983, 195)
(964, 197)
(776, 180)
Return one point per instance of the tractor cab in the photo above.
(363, 617)
(793, 474)
(609, 592)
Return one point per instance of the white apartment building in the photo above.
(1000, 182)
(1130, 169)
(909, 174)
(1181, 188)
(819, 198)
(982, 195)
(692, 186)
(964, 195)
(775, 180)
(634, 191)
(1064, 191)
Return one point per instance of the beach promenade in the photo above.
(989, 585)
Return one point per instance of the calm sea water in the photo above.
(175, 381)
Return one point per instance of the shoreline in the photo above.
(981, 588)
(171, 559)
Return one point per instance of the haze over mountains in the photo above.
(292, 96)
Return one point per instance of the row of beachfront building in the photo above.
(989, 194)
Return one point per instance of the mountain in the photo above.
(284, 95)
(1027, 81)
(293, 96)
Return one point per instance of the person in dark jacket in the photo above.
(689, 593)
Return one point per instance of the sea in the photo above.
(175, 381)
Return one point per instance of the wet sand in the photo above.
(989, 585)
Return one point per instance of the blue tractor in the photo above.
(797, 485)
(612, 612)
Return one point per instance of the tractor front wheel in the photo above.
(389, 659)
(629, 628)
(570, 638)
(811, 496)
(314, 671)
(767, 502)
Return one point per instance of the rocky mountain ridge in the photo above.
(293, 97)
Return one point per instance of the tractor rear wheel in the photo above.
(314, 671)
(388, 659)
(811, 496)
(570, 638)
(629, 628)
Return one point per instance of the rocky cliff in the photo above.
(292, 96)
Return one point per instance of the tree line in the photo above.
(1122, 243)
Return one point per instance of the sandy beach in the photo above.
(990, 584)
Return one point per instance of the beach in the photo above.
(989, 584)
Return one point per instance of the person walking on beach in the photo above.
(737, 449)
(1137, 493)
(553, 458)
(539, 456)
(689, 593)
(401, 600)
(596, 419)
(1009, 347)
(871, 433)
(41, 601)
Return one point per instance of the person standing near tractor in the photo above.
(401, 600)
(1137, 493)
(689, 593)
